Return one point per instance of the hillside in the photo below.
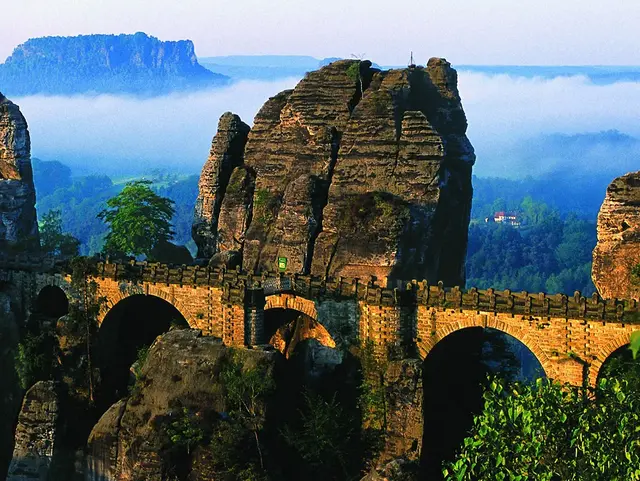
(116, 64)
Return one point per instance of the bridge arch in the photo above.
(288, 308)
(604, 353)
(123, 292)
(133, 323)
(52, 301)
(425, 346)
(290, 301)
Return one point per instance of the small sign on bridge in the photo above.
(282, 264)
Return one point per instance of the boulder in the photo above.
(182, 371)
(37, 434)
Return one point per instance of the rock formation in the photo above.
(133, 64)
(358, 172)
(182, 371)
(36, 434)
(18, 224)
(618, 248)
(227, 152)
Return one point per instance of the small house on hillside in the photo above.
(502, 217)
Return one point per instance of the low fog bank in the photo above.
(519, 126)
(118, 135)
(534, 127)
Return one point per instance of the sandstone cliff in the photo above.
(618, 248)
(18, 224)
(135, 64)
(358, 172)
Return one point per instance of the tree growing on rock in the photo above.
(138, 220)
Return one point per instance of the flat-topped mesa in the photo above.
(618, 250)
(18, 224)
(361, 172)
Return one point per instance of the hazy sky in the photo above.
(527, 32)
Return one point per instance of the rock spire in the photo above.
(18, 224)
(358, 172)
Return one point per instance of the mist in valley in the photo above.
(519, 126)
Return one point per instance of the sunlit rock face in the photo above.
(351, 167)
(618, 248)
(18, 224)
(227, 151)
(358, 172)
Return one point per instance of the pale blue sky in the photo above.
(526, 32)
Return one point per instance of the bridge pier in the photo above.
(254, 317)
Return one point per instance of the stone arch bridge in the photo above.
(571, 336)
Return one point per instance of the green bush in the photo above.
(549, 432)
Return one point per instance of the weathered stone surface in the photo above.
(404, 417)
(400, 196)
(293, 148)
(227, 149)
(36, 434)
(236, 210)
(182, 371)
(360, 172)
(399, 469)
(18, 224)
(618, 248)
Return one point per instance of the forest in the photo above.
(549, 251)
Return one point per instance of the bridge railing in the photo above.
(237, 281)
(31, 262)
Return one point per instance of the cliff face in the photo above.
(18, 224)
(361, 172)
(104, 64)
(618, 248)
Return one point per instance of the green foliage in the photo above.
(184, 430)
(34, 358)
(229, 456)
(549, 432)
(371, 397)
(353, 72)
(52, 240)
(377, 211)
(635, 343)
(323, 439)
(138, 219)
(246, 391)
(79, 329)
(265, 205)
(635, 274)
(141, 358)
(546, 254)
